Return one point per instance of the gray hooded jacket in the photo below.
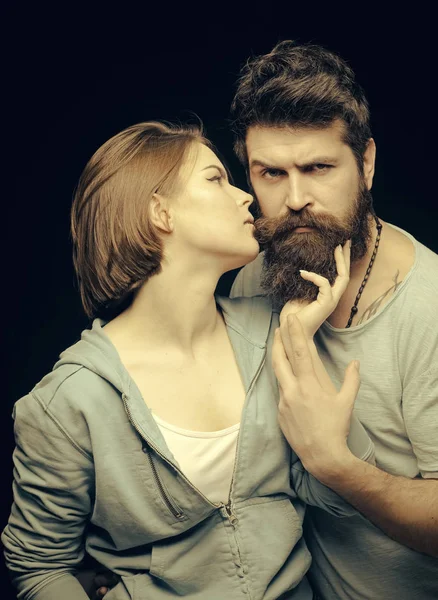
(93, 473)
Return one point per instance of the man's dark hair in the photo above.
(300, 86)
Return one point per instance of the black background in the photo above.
(75, 75)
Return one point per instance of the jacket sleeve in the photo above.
(313, 492)
(53, 482)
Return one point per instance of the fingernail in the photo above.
(356, 365)
(349, 243)
(303, 271)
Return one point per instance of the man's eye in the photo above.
(318, 168)
(271, 173)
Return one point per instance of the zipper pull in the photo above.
(231, 516)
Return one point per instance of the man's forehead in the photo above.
(268, 143)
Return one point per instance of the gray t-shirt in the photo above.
(398, 406)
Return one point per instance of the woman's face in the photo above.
(211, 216)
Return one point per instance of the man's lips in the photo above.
(302, 229)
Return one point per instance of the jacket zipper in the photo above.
(167, 500)
(175, 511)
(231, 516)
(233, 520)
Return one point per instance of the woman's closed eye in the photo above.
(218, 178)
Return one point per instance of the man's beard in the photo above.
(287, 251)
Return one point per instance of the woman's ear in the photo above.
(160, 213)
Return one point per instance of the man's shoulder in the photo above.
(425, 258)
(419, 287)
(423, 281)
(415, 303)
(247, 282)
(427, 263)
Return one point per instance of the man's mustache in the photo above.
(269, 228)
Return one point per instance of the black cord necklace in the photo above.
(354, 308)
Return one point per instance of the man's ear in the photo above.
(160, 213)
(369, 161)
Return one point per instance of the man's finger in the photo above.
(351, 383)
(101, 592)
(280, 363)
(325, 295)
(342, 259)
(346, 251)
(285, 338)
(300, 358)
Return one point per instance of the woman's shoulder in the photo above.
(250, 316)
(86, 382)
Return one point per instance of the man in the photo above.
(302, 132)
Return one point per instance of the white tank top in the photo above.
(206, 457)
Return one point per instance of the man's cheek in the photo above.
(270, 206)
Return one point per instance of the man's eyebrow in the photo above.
(313, 161)
(321, 159)
(260, 163)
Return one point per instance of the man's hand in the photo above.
(100, 593)
(314, 417)
(314, 314)
(103, 583)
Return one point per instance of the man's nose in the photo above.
(298, 196)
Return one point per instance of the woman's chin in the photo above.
(243, 259)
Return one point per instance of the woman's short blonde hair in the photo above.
(115, 246)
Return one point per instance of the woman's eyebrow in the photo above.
(220, 169)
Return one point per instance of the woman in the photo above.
(154, 443)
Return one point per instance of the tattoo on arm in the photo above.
(374, 307)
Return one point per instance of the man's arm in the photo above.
(405, 509)
(316, 423)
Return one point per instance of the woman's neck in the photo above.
(174, 309)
